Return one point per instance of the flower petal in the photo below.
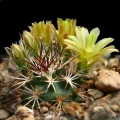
(102, 43)
(80, 35)
(71, 43)
(75, 40)
(103, 60)
(93, 37)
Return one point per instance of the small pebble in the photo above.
(49, 117)
(3, 114)
(50, 112)
(44, 109)
(63, 118)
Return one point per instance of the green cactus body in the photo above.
(48, 77)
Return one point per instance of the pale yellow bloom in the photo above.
(85, 45)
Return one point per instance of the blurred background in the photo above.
(17, 15)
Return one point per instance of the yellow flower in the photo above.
(84, 43)
(65, 27)
(43, 31)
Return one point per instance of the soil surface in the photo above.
(100, 94)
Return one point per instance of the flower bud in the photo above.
(49, 33)
(17, 54)
(30, 41)
(37, 30)
(18, 51)
(65, 28)
(45, 31)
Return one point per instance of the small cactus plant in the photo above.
(49, 60)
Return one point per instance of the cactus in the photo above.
(49, 61)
